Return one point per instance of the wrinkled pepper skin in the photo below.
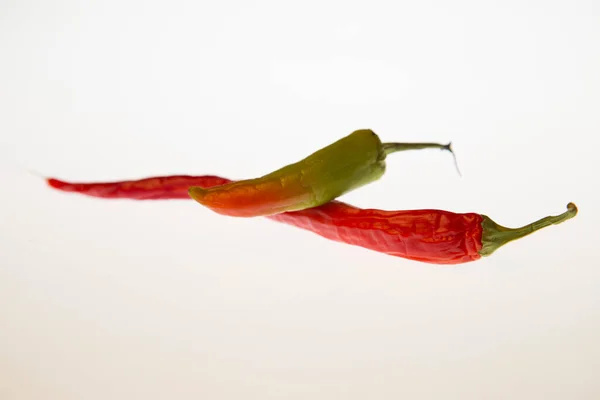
(431, 236)
(345, 165)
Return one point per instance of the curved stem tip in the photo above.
(389, 148)
(495, 236)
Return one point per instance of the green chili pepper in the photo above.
(343, 166)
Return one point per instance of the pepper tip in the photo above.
(54, 183)
(196, 192)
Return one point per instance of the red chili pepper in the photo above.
(431, 236)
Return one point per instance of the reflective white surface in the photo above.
(117, 299)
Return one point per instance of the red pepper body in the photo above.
(432, 236)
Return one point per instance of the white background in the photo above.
(119, 299)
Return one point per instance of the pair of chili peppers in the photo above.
(429, 235)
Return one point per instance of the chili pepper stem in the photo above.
(495, 236)
(389, 148)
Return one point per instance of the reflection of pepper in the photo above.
(349, 163)
(432, 236)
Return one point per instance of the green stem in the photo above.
(389, 148)
(495, 236)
